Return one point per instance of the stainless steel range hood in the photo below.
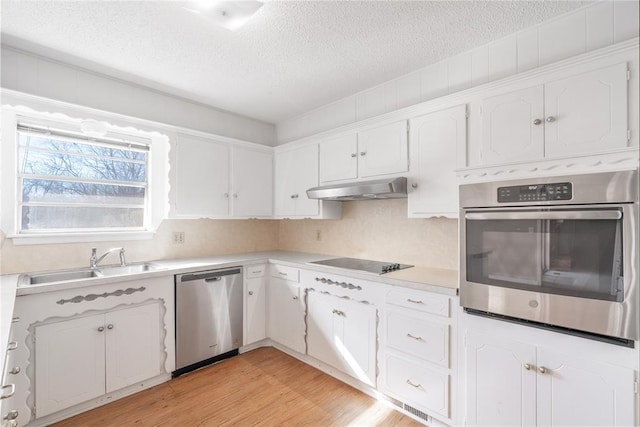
(392, 188)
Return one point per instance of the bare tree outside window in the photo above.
(77, 185)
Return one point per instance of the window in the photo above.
(68, 182)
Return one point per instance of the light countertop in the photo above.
(423, 278)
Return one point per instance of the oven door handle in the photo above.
(595, 214)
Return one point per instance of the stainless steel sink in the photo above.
(84, 273)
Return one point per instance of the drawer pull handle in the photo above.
(543, 370)
(15, 370)
(345, 285)
(12, 391)
(414, 301)
(414, 385)
(12, 345)
(414, 337)
(282, 274)
(528, 366)
(338, 312)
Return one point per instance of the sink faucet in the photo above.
(94, 260)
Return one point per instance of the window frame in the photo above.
(156, 194)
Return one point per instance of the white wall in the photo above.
(589, 28)
(37, 75)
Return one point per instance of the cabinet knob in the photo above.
(100, 328)
(354, 154)
(414, 185)
(527, 366)
(110, 326)
(235, 195)
(295, 298)
(363, 153)
(537, 122)
(250, 292)
(15, 371)
(12, 415)
(294, 196)
(551, 119)
(543, 370)
(226, 195)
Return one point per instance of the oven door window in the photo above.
(577, 254)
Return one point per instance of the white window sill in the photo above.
(41, 239)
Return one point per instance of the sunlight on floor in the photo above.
(375, 415)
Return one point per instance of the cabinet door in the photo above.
(285, 185)
(70, 362)
(286, 315)
(201, 177)
(500, 390)
(339, 158)
(342, 333)
(434, 139)
(383, 150)
(356, 342)
(134, 345)
(252, 183)
(255, 311)
(513, 127)
(324, 329)
(577, 392)
(305, 177)
(586, 113)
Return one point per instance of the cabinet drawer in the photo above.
(420, 300)
(418, 337)
(343, 286)
(287, 273)
(416, 385)
(253, 271)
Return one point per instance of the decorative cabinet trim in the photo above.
(91, 297)
(621, 160)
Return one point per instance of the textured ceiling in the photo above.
(292, 57)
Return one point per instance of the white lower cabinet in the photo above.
(286, 324)
(514, 383)
(416, 357)
(255, 304)
(85, 357)
(342, 334)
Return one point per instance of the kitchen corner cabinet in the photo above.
(434, 139)
(86, 357)
(342, 334)
(255, 303)
(580, 115)
(286, 310)
(365, 155)
(218, 180)
(515, 383)
(296, 171)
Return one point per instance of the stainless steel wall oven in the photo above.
(558, 252)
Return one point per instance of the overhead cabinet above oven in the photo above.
(582, 114)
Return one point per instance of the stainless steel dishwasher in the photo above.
(208, 317)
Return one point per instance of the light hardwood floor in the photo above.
(263, 387)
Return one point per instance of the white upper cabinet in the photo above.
(201, 177)
(434, 139)
(365, 155)
(339, 158)
(579, 115)
(215, 179)
(383, 150)
(512, 128)
(586, 113)
(295, 172)
(251, 183)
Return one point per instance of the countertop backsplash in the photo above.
(374, 229)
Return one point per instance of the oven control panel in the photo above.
(535, 192)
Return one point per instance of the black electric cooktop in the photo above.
(369, 266)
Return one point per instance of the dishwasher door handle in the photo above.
(213, 279)
(208, 275)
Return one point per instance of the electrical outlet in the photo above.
(178, 237)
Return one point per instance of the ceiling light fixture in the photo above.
(227, 14)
